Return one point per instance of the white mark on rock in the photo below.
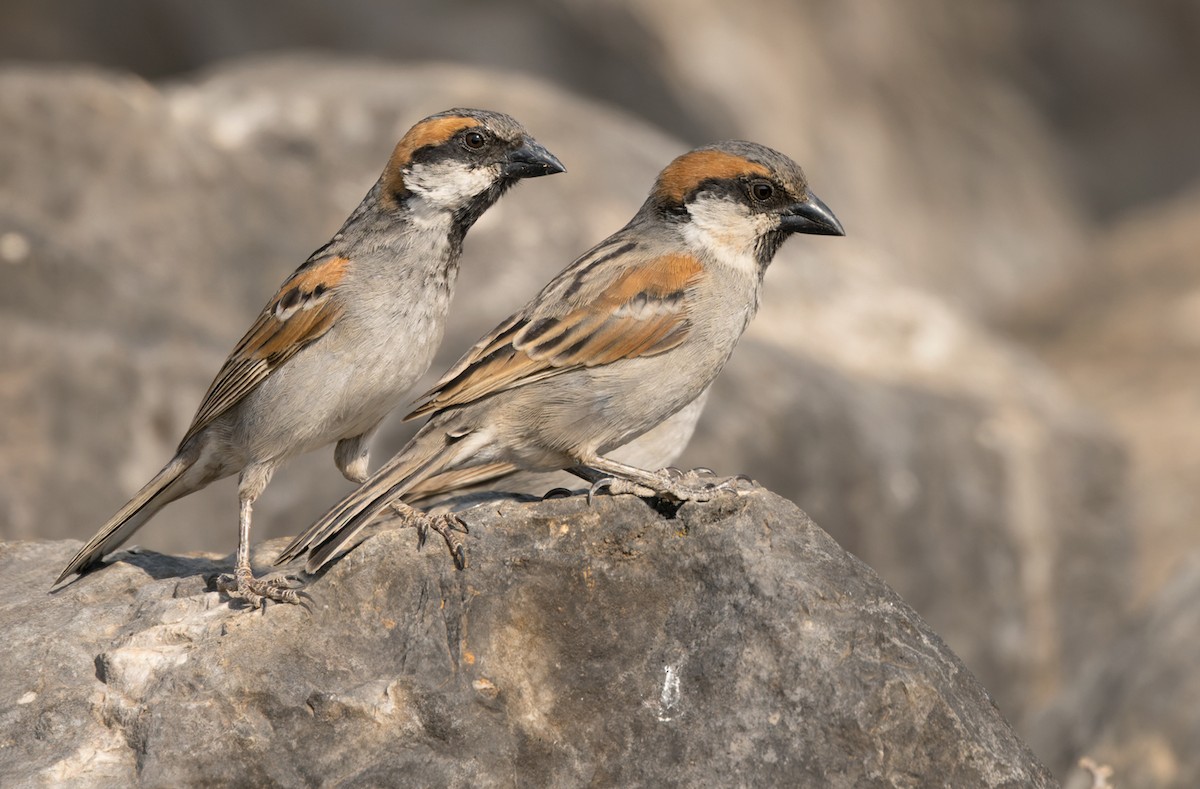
(27, 698)
(668, 700)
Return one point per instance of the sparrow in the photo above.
(346, 336)
(627, 335)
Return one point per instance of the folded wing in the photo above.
(303, 310)
(588, 316)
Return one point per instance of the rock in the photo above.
(1129, 706)
(733, 644)
(1074, 58)
(1127, 340)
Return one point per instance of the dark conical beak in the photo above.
(532, 160)
(811, 216)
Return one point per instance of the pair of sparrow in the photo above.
(622, 339)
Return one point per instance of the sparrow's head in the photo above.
(739, 201)
(461, 161)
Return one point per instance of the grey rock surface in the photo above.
(732, 644)
(1131, 706)
(1129, 340)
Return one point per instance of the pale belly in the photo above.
(320, 397)
(557, 420)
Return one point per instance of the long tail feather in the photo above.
(459, 480)
(120, 527)
(427, 454)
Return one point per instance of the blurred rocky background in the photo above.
(988, 390)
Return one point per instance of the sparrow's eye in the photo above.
(762, 191)
(474, 140)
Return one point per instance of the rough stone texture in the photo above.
(1131, 706)
(947, 460)
(735, 644)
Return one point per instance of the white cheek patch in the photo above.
(449, 185)
(726, 231)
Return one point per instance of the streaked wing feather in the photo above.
(610, 314)
(304, 309)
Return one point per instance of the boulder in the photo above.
(728, 643)
(1127, 338)
(1129, 706)
(1074, 58)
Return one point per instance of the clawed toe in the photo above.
(446, 525)
(242, 585)
(457, 553)
(699, 485)
(616, 486)
(304, 600)
(597, 486)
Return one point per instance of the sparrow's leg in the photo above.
(352, 457)
(668, 483)
(444, 523)
(242, 584)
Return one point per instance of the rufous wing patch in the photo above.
(641, 313)
(663, 276)
(433, 131)
(303, 310)
(692, 169)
